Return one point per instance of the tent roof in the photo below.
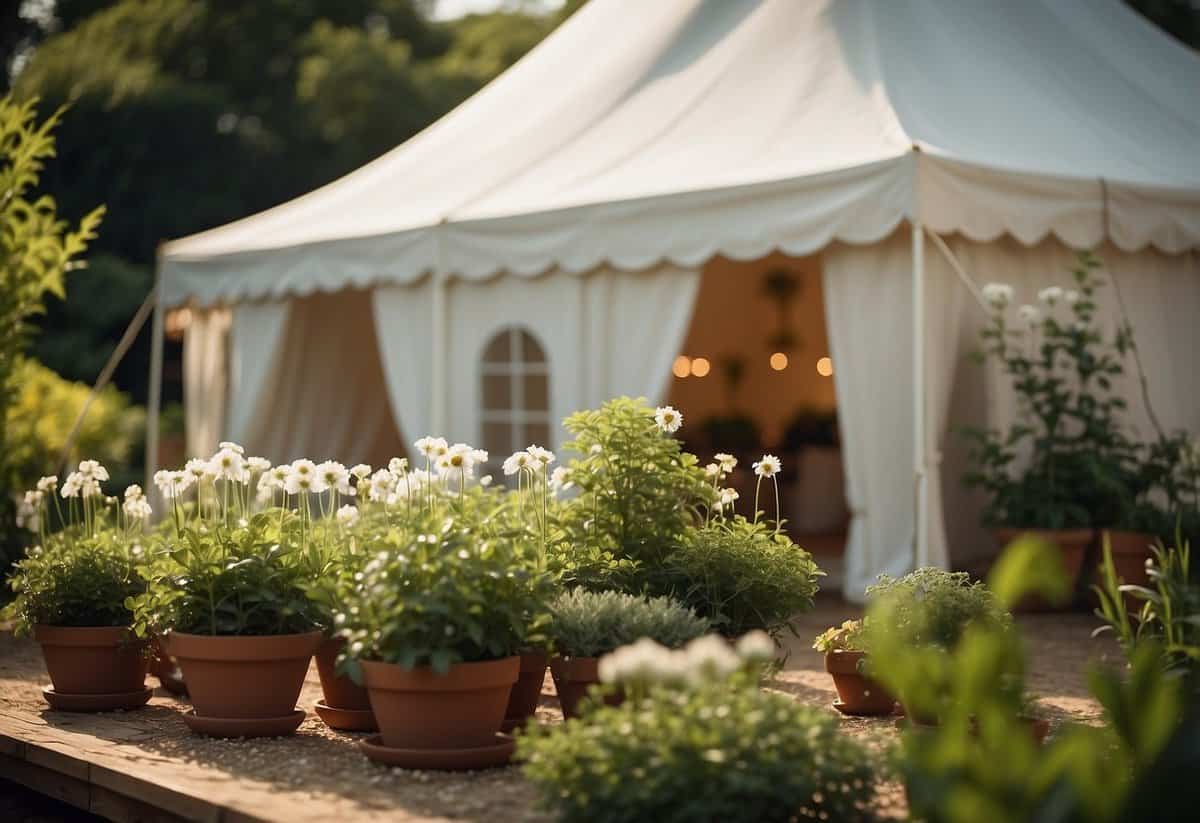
(675, 130)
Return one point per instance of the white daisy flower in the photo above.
(728, 496)
(231, 446)
(134, 492)
(333, 475)
(171, 484)
(560, 479)
(361, 470)
(668, 419)
(297, 483)
(137, 508)
(198, 468)
(72, 485)
(1050, 295)
(278, 476)
(383, 484)
(1029, 314)
(998, 295)
(228, 464)
(756, 646)
(347, 515)
(1071, 297)
(543, 456)
(710, 658)
(48, 484)
(92, 469)
(258, 465)
(398, 465)
(431, 447)
(485, 481)
(768, 466)
(517, 461)
(712, 470)
(727, 461)
(479, 456)
(90, 487)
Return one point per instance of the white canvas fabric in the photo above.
(255, 348)
(404, 327)
(205, 380)
(742, 126)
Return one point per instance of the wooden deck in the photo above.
(146, 766)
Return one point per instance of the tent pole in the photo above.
(920, 486)
(154, 401)
(437, 389)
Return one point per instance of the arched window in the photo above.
(515, 393)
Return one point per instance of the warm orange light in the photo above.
(682, 366)
(701, 366)
(779, 361)
(825, 367)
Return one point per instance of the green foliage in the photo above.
(442, 594)
(589, 624)
(931, 608)
(638, 491)
(76, 580)
(721, 751)
(245, 578)
(851, 636)
(1083, 469)
(1168, 617)
(45, 409)
(742, 576)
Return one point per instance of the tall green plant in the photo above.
(37, 248)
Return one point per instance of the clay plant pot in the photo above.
(164, 667)
(523, 701)
(419, 709)
(857, 694)
(106, 663)
(573, 676)
(1130, 551)
(346, 706)
(1073, 544)
(247, 685)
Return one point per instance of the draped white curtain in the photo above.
(255, 342)
(205, 379)
(404, 328)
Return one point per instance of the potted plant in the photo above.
(845, 650)
(227, 590)
(433, 630)
(72, 586)
(1068, 465)
(585, 625)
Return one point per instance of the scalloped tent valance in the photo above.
(671, 131)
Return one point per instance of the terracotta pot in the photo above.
(421, 709)
(523, 702)
(573, 676)
(164, 667)
(1073, 545)
(1130, 551)
(340, 691)
(244, 677)
(859, 695)
(93, 660)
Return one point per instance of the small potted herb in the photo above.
(433, 630)
(72, 586)
(227, 590)
(845, 650)
(586, 625)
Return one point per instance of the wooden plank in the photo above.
(176, 804)
(124, 809)
(49, 782)
(57, 761)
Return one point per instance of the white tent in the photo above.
(578, 195)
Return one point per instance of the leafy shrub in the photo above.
(933, 607)
(588, 624)
(637, 490)
(440, 596)
(724, 750)
(240, 579)
(77, 580)
(848, 637)
(742, 576)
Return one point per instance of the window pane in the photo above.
(537, 392)
(497, 392)
(538, 433)
(531, 352)
(498, 351)
(497, 439)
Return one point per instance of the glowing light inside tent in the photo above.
(701, 367)
(682, 366)
(825, 367)
(779, 361)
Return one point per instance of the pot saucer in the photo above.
(95, 702)
(346, 720)
(244, 726)
(483, 757)
(844, 709)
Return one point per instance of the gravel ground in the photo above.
(317, 765)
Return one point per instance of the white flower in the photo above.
(710, 658)
(712, 470)
(728, 496)
(171, 484)
(347, 515)
(333, 475)
(479, 456)
(198, 468)
(1071, 297)
(398, 465)
(90, 487)
(91, 469)
(229, 465)
(134, 492)
(560, 479)
(486, 480)
(644, 661)
(303, 467)
(517, 461)
(48, 484)
(543, 456)
(727, 461)
(1050, 295)
(72, 485)
(768, 466)
(137, 508)
(756, 646)
(383, 484)
(230, 446)
(258, 465)
(668, 419)
(431, 447)
(458, 458)
(34, 498)
(1029, 314)
(277, 477)
(361, 470)
(998, 295)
